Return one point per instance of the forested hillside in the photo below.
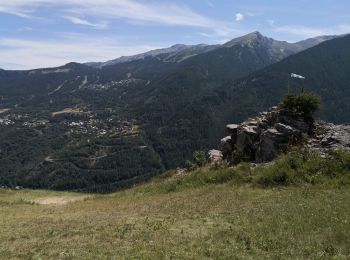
(80, 128)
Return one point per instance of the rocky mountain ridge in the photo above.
(181, 52)
(175, 53)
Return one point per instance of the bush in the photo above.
(282, 177)
(302, 166)
(304, 104)
(199, 160)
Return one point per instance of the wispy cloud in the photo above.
(300, 30)
(16, 53)
(79, 21)
(14, 11)
(306, 32)
(223, 34)
(165, 13)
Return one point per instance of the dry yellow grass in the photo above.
(210, 222)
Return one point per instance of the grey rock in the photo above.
(253, 123)
(297, 123)
(330, 137)
(286, 129)
(227, 146)
(271, 144)
(250, 130)
(215, 155)
(225, 140)
(246, 139)
(232, 128)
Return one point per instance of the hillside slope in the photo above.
(75, 127)
(326, 68)
(80, 128)
(208, 213)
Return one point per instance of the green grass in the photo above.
(300, 167)
(210, 213)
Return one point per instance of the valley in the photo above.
(82, 128)
(135, 129)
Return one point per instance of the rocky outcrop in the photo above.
(328, 137)
(264, 137)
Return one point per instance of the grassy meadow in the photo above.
(208, 213)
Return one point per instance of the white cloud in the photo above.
(17, 53)
(164, 13)
(300, 30)
(239, 17)
(14, 11)
(222, 34)
(79, 21)
(140, 11)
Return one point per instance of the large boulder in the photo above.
(271, 144)
(232, 128)
(226, 146)
(233, 131)
(246, 139)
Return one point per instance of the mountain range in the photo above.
(181, 52)
(101, 126)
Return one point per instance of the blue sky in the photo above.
(46, 33)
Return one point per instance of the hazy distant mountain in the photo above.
(174, 53)
(181, 52)
(306, 44)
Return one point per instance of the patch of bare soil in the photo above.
(57, 200)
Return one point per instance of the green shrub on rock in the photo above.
(303, 104)
(199, 160)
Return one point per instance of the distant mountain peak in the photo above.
(253, 36)
(181, 52)
(256, 34)
(72, 65)
(178, 46)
